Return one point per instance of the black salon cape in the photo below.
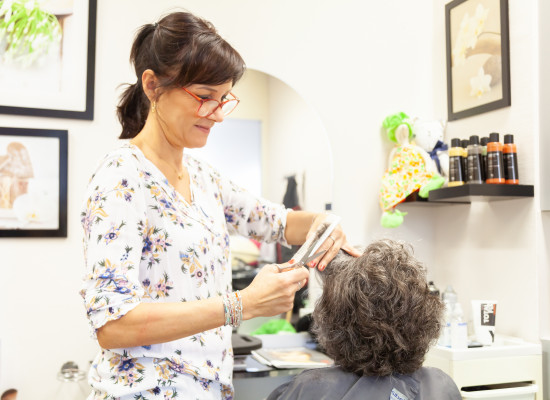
(334, 384)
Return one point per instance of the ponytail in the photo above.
(132, 110)
(181, 49)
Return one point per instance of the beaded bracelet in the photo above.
(233, 309)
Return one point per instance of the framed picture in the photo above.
(33, 182)
(478, 57)
(47, 58)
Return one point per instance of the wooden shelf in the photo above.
(480, 192)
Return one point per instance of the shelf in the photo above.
(480, 192)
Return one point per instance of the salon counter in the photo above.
(255, 381)
(508, 360)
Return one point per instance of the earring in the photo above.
(153, 106)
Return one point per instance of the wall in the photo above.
(489, 249)
(354, 63)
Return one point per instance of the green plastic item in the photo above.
(392, 218)
(274, 326)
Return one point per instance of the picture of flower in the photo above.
(478, 76)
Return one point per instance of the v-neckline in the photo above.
(171, 187)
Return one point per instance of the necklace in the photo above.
(180, 175)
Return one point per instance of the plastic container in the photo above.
(505, 391)
(495, 162)
(459, 328)
(445, 336)
(464, 143)
(475, 174)
(510, 155)
(456, 171)
(483, 143)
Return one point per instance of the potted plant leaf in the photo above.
(27, 31)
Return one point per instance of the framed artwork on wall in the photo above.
(478, 57)
(33, 182)
(47, 59)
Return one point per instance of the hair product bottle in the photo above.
(483, 143)
(510, 160)
(456, 173)
(475, 174)
(495, 163)
(465, 143)
(459, 328)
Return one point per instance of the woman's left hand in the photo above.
(336, 241)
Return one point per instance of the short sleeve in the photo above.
(113, 219)
(252, 216)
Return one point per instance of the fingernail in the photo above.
(312, 264)
(321, 267)
(291, 261)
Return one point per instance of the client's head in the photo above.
(376, 315)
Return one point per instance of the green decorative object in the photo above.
(391, 123)
(274, 326)
(27, 32)
(392, 218)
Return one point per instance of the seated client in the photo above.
(376, 319)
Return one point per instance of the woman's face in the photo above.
(177, 113)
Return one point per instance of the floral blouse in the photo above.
(144, 243)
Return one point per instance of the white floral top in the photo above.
(144, 243)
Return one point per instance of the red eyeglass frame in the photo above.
(220, 104)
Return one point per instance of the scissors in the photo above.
(301, 262)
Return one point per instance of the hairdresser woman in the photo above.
(157, 222)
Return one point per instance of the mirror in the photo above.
(271, 135)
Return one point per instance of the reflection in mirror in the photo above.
(273, 134)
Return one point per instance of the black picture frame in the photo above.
(472, 56)
(87, 92)
(48, 150)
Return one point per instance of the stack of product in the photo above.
(487, 160)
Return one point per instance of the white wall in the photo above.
(354, 63)
(489, 250)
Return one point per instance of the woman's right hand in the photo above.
(272, 291)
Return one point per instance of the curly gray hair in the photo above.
(376, 315)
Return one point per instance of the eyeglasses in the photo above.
(209, 106)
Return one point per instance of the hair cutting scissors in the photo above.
(304, 254)
(301, 262)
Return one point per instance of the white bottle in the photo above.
(459, 329)
(445, 337)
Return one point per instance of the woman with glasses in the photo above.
(156, 221)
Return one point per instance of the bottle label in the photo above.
(475, 174)
(495, 165)
(455, 169)
(465, 168)
(511, 166)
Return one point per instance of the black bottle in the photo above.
(474, 161)
(484, 140)
(456, 174)
(464, 143)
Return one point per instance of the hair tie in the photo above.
(155, 25)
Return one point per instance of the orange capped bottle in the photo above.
(510, 160)
(495, 162)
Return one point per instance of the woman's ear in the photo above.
(149, 82)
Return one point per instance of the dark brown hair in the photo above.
(376, 315)
(8, 392)
(181, 49)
